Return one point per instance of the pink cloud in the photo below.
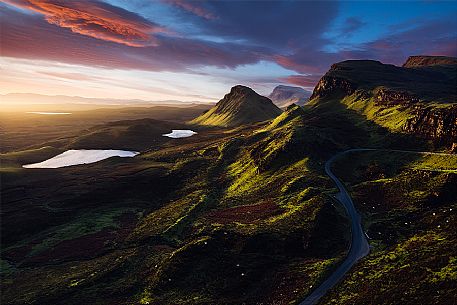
(307, 81)
(29, 36)
(95, 19)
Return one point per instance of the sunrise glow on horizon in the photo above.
(196, 50)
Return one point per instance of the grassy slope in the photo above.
(20, 131)
(182, 223)
(240, 106)
(408, 206)
(434, 88)
(131, 134)
(247, 230)
(227, 216)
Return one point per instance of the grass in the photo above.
(241, 106)
(251, 221)
(239, 215)
(419, 102)
(9, 162)
(85, 225)
(20, 131)
(407, 202)
(393, 118)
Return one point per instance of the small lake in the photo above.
(81, 156)
(48, 113)
(180, 133)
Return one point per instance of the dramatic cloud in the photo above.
(96, 19)
(259, 43)
(279, 24)
(69, 76)
(432, 38)
(23, 36)
(307, 81)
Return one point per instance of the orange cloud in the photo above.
(96, 19)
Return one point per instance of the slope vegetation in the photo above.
(408, 206)
(241, 106)
(228, 217)
(419, 100)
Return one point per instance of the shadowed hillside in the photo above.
(421, 101)
(243, 214)
(241, 106)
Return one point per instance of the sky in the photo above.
(196, 50)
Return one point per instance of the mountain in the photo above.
(41, 102)
(242, 204)
(419, 98)
(241, 105)
(283, 96)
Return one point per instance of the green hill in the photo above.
(420, 100)
(240, 106)
(245, 215)
(127, 134)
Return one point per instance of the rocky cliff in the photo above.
(329, 85)
(421, 95)
(439, 124)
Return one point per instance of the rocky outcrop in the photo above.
(439, 124)
(421, 98)
(329, 85)
(432, 122)
(424, 61)
(389, 97)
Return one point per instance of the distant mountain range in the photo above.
(284, 96)
(251, 209)
(241, 105)
(38, 101)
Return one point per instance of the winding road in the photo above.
(359, 244)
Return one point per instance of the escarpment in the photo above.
(439, 124)
(419, 98)
(329, 85)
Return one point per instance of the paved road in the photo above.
(359, 244)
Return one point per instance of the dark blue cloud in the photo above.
(30, 36)
(275, 24)
(179, 35)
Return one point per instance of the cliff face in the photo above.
(439, 124)
(421, 96)
(329, 85)
(434, 123)
(390, 97)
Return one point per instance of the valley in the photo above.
(351, 197)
